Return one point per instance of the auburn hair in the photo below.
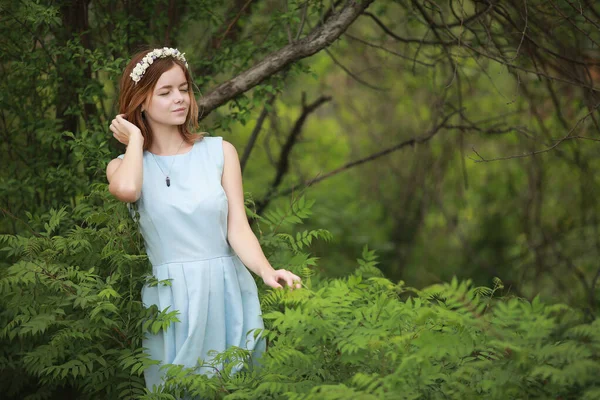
(132, 96)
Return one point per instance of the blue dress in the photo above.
(184, 227)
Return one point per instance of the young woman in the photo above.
(188, 191)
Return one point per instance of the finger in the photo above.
(297, 280)
(116, 133)
(272, 282)
(288, 280)
(285, 275)
(120, 137)
(275, 285)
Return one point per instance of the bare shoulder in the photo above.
(112, 167)
(228, 146)
(229, 151)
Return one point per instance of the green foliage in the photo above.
(373, 339)
(71, 314)
(370, 338)
(72, 317)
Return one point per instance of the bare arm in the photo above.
(125, 176)
(240, 235)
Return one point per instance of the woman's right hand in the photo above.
(124, 130)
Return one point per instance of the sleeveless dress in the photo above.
(184, 227)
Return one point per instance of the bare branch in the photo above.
(288, 30)
(354, 76)
(314, 42)
(586, 34)
(255, 132)
(283, 163)
(536, 72)
(526, 18)
(489, 131)
(533, 153)
(405, 40)
(232, 24)
(468, 20)
(410, 142)
(387, 50)
(304, 10)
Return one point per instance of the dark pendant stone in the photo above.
(168, 181)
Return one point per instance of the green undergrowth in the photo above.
(71, 321)
(364, 337)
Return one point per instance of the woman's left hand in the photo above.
(272, 277)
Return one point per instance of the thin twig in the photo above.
(410, 142)
(387, 50)
(533, 153)
(255, 132)
(232, 23)
(20, 220)
(304, 10)
(354, 76)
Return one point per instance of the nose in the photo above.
(178, 97)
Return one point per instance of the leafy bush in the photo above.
(72, 322)
(71, 311)
(358, 338)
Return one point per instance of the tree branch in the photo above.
(284, 157)
(314, 42)
(255, 132)
(410, 142)
(354, 76)
(533, 153)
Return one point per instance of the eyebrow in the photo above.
(170, 86)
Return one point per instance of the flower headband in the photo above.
(140, 68)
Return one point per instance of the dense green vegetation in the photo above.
(80, 327)
(450, 147)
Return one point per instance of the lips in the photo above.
(179, 109)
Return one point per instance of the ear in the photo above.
(146, 102)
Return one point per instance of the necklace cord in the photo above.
(167, 179)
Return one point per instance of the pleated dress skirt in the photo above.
(218, 308)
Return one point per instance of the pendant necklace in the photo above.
(167, 179)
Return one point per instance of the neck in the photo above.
(167, 141)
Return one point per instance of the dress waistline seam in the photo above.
(194, 260)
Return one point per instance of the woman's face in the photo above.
(169, 102)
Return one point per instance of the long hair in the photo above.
(132, 96)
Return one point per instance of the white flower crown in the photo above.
(149, 58)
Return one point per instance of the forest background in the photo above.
(454, 138)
